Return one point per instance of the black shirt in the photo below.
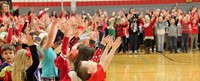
(30, 71)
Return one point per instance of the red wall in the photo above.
(101, 3)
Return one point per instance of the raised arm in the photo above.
(51, 34)
(41, 14)
(105, 52)
(10, 33)
(109, 56)
(153, 22)
(98, 53)
(33, 52)
(61, 61)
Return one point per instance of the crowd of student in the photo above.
(81, 46)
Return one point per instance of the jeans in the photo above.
(184, 42)
(133, 39)
(194, 41)
(166, 42)
(173, 43)
(160, 40)
(179, 42)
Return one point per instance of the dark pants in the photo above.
(179, 42)
(122, 46)
(133, 40)
(166, 42)
(127, 44)
(184, 42)
(173, 43)
(148, 44)
(100, 37)
(153, 43)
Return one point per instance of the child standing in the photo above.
(26, 63)
(185, 33)
(195, 31)
(148, 31)
(160, 30)
(49, 70)
(173, 32)
(119, 28)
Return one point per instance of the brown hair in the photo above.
(8, 47)
(1, 7)
(82, 72)
(85, 53)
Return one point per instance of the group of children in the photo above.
(80, 47)
(28, 43)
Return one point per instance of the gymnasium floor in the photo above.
(155, 67)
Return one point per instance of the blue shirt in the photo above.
(49, 69)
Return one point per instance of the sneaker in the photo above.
(135, 52)
(130, 52)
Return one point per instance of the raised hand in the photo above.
(55, 21)
(105, 40)
(68, 31)
(94, 35)
(46, 9)
(110, 42)
(14, 39)
(113, 13)
(117, 43)
(29, 39)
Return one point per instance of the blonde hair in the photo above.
(19, 67)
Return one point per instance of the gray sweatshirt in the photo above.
(160, 27)
(173, 30)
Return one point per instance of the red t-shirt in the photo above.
(64, 68)
(100, 75)
(185, 27)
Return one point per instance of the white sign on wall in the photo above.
(73, 5)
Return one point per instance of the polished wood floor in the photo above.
(155, 67)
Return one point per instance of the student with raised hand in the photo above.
(148, 31)
(49, 70)
(161, 24)
(26, 62)
(194, 33)
(133, 30)
(92, 71)
(173, 33)
(186, 30)
(62, 61)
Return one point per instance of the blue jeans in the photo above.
(184, 42)
(173, 43)
(161, 39)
